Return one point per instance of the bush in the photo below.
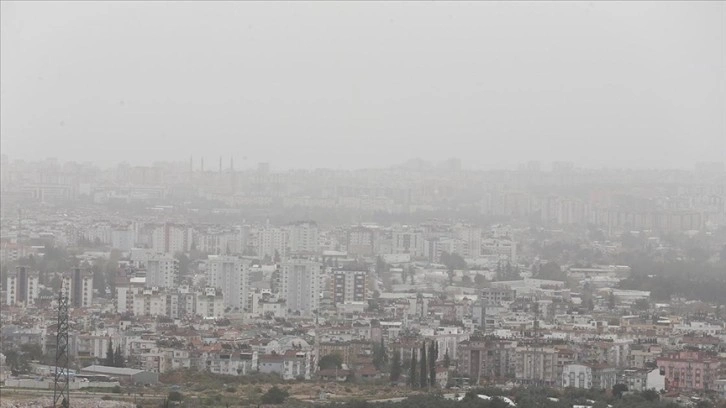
(230, 389)
(274, 396)
(116, 390)
(106, 398)
(175, 396)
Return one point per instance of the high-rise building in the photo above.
(77, 286)
(231, 275)
(303, 237)
(408, 242)
(272, 241)
(300, 286)
(210, 303)
(536, 365)
(171, 238)
(349, 286)
(361, 241)
(123, 238)
(161, 271)
(22, 286)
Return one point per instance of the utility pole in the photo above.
(61, 380)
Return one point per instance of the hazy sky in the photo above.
(349, 85)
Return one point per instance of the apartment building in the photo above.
(300, 284)
(22, 287)
(77, 287)
(231, 275)
(349, 286)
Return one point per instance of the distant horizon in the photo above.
(211, 164)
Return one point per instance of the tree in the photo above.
(412, 370)
(433, 354)
(118, 358)
(18, 362)
(184, 263)
(508, 271)
(274, 396)
(109, 361)
(380, 356)
(551, 270)
(447, 359)
(396, 366)
(641, 305)
(277, 257)
(331, 361)
(423, 378)
(611, 300)
(619, 389)
(175, 396)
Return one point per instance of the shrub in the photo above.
(175, 396)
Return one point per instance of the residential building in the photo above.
(171, 238)
(210, 303)
(77, 286)
(349, 286)
(231, 275)
(22, 287)
(161, 271)
(300, 283)
(689, 371)
(303, 237)
(577, 376)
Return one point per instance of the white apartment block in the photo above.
(77, 287)
(473, 238)
(436, 247)
(161, 271)
(303, 237)
(22, 287)
(231, 275)
(123, 239)
(271, 240)
(576, 376)
(408, 242)
(300, 282)
(210, 303)
(125, 295)
(505, 248)
(171, 238)
(221, 242)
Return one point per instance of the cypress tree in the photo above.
(412, 370)
(433, 354)
(109, 361)
(118, 358)
(395, 366)
(423, 379)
